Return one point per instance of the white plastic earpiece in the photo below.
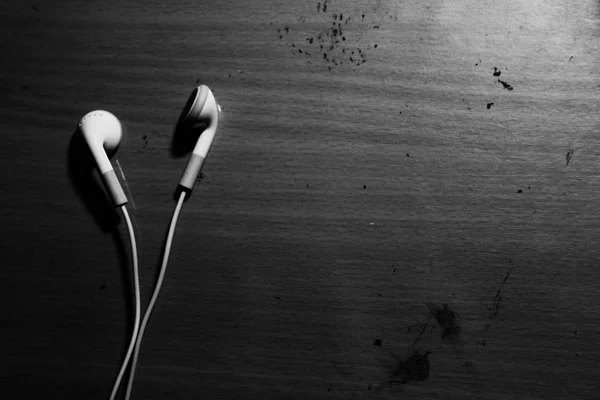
(201, 108)
(102, 132)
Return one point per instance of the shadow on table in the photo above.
(86, 182)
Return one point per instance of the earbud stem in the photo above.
(113, 187)
(191, 172)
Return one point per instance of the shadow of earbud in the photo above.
(185, 135)
(86, 182)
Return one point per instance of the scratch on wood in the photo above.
(425, 325)
(495, 308)
(569, 155)
(498, 298)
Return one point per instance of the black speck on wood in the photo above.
(519, 191)
(505, 85)
(497, 72)
(489, 105)
(377, 342)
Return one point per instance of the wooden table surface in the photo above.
(395, 187)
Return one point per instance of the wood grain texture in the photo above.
(370, 166)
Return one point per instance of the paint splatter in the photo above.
(333, 40)
(447, 320)
(497, 72)
(413, 369)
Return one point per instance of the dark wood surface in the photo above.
(445, 152)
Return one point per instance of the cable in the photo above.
(136, 283)
(161, 277)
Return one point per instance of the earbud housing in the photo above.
(200, 111)
(103, 132)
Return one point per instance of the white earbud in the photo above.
(201, 108)
(102, 131)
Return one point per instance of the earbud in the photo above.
(102, 131)
(200, 109)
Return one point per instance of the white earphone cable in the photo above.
(136, 283)
(161, 276)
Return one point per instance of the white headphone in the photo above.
(103, 132)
